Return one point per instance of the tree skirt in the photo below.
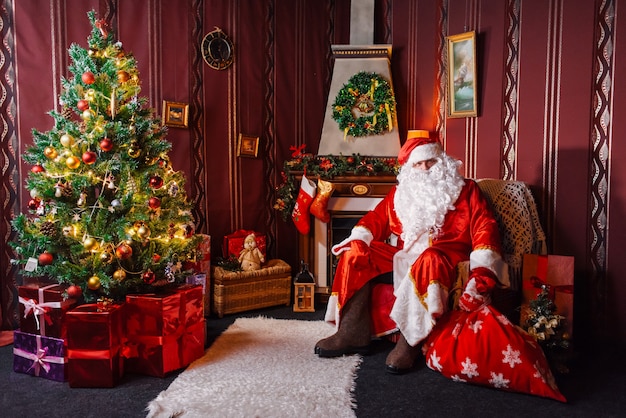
(263, 367)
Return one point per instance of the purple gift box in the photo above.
(39, 355)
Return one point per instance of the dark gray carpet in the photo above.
(596, 386)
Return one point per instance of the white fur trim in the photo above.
(308, 186)
(425, 152)
(414, 319)
(332, 311)
(491, 260)
(358, 233)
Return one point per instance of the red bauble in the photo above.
(88, 77)
(156, 182)
(82, 105)
(148, 277)
(89, 157)
(156, 258)
(37, 169)
(154, 203)
(124, 251)
(45, 258)
(74, 291)
(106, 144)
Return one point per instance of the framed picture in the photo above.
(175, 114)
(462, 89)
(248, 146)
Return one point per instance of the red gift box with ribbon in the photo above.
(166, 331)
(201, 261)
(43, 307)
(556, 274)
(95, 341)
(39, 356)
(233, 243)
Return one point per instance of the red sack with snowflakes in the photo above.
(483, 347)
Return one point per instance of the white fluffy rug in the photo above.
(263, 367)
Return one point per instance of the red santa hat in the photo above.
(419, 146)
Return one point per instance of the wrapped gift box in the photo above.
(39, 355)
(201, 279)
(95, 338)
(165, 331)
(556, 272)
(233, 243)
(43, 307)
(201, 263)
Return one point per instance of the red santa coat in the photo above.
(415, 304)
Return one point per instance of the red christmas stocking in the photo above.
(301, 215)
(319, 207)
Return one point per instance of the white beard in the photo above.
(424, 197)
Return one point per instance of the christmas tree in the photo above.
(108, 214)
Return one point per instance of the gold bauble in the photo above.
(86, 114)
(134, 152)
(119, 275)
(67, 140)
(93, 283)
(50, 153)
(90, 244)
(72, 162)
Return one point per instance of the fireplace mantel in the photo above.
(377, 185)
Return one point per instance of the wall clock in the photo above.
(217, 50)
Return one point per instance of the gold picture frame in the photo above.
(462, 89)
(248, 146)
(175, 114)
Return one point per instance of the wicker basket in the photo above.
(246, 290)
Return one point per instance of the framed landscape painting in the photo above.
(462, 89)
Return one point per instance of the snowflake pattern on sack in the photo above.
(483, 347)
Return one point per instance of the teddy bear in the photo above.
(251, 257)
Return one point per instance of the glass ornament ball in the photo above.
(45, 258)
(72, 162)
(154, 203)
(156, 182)
(89, 157)
(106, 144)
(82, 105)
(119, 275)
(50, 153)
(88, 77)
(67, 140)
(94, 283)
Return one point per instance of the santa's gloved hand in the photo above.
(478, 289)
(358, 233)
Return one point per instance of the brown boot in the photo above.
(353, 335)
(402, 358)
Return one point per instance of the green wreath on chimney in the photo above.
(364, 106)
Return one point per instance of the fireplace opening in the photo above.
(339, 228)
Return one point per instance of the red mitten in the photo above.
(301, 215)
(477, 291)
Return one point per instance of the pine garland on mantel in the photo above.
(325, 167)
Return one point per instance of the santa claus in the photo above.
(440, 219)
